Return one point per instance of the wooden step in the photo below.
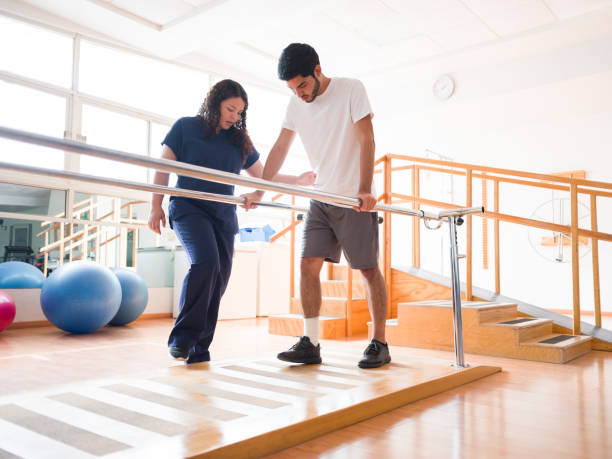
(334, 307)
(339, 288)
(559, 352)
(356, 316)
(492, 312)
(483, 311)
(339, 272)
(488, 328)
(293, 325)
(525, 328)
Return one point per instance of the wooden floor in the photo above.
(529, 410)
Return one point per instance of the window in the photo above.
(116, 131)
(35, 52)
(265, 114)
(141, 82)
(30, 110)
(32, 200)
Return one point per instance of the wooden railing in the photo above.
(69, 239)
(572, 184)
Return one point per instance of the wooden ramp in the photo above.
(225, 409)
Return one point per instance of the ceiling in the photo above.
(354, 37)
(15, 198)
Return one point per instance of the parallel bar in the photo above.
(229, 199)
(176, 167)
(190, 170)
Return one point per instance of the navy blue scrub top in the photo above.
(186, 140)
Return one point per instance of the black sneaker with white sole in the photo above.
(302, 352)
(375, 355)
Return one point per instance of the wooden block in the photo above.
(338, 289)
(539, 327)
(293, 325)
(295, 306)
(406, 288)
(430, 325)
(339, 272)
(334, 307)
(561, 352)
(497, 313)
(358, 317)
(287, 325)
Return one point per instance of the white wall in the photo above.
(27, 303)
(539, 103)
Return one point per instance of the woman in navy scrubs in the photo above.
(216, 138)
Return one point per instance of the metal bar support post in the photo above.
(456, 291)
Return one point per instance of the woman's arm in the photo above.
(157, 215)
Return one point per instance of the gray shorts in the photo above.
(330, 229)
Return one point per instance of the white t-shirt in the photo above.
(326, 127)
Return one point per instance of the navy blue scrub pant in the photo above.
(210, 252)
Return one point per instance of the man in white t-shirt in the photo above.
(334, 121)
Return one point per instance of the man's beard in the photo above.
(315, 90)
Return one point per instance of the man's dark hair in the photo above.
(297, 59)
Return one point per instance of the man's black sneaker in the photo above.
(178, 352)
(375, 355)
(302, 352)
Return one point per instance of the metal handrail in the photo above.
(205, 173)
(228, 199)
(453, 216)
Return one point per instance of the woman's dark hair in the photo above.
(210, 111)
(297, 59)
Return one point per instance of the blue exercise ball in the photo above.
(17, 274)
(134, 296)
(81, 296)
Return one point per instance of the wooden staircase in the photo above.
(488, 328)
(339, 317)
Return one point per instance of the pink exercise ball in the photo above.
(7, 310)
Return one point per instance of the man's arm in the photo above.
(277, 155)
(304, 179)
(365, 136)
(275, 160)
